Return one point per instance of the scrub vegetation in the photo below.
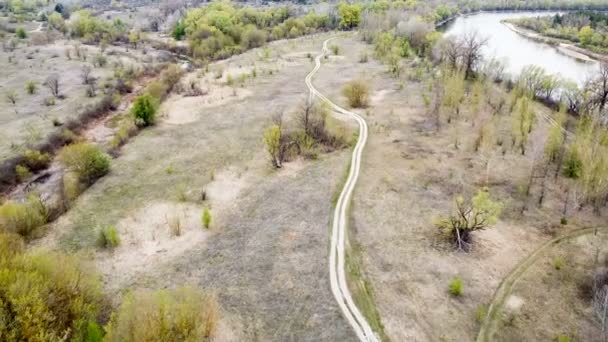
(146, 145)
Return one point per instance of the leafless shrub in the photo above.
(85, 74)
(52, 82)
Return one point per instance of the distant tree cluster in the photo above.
(589, 28)
(221, 29)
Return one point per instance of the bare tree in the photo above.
(85, 74)
(11, 96)
(471, 45)
(53, 83)
(597, 88)
(451, 53)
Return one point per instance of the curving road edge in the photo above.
(488, 325)
(337, 273)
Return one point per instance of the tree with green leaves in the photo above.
(453, 93)
(468, 216)
(272, 139)
(522, 119)
(144, 110)
(585, 35)
(350, 15)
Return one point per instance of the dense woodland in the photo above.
(589, 28)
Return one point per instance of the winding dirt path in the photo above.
(337, 272)
(488, 326)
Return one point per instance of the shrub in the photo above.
(22, 217)
(22, 172)
(335, 49)
(562, 338)
(559, 263)
(50, 296)
(85, 160)
(71, 186)
(21, 33)
(357, 93)
(36, 160)
(108, 237)
(175, 226)
(156, 89)
(144, 110)
(363, 58)
(206, 218)
(456, 286)
(31, 87)
(480, 313)
(182, 314)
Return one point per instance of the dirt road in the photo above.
(337, 253)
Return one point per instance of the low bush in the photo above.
(144, 110)
(357, 93)
(480, 313)
(22, 217)
(85, 160)
(206, 218)
(21, 33)
(109, 238)
(46, 296)
(36, 160)
(71, 186)
(335, 49)
(31, 87)
(559, 263)
(456, 287)
(175, 225)
(183, 314)
(22, 172)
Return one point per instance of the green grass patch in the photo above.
(362, 289)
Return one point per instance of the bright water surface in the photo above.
(517, 51)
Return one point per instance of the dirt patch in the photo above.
(225, 188)
(157, 233)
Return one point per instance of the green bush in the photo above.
(31, 87)
(21, 33)
(182, 314)
(562, 338)
(335, 49)
(456, 286)
(36, 160)
(46, 296)
(22, 172)
(559, 263)
(22, 217)
(85, 160)
(206, 218)
(357, 93)
(480, 313)
(71, 186)
(144, 110)
(108, 237)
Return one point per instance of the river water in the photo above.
(517, 51)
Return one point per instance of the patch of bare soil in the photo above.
(156, 233)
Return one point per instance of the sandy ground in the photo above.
(266, 253)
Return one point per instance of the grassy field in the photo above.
(266, 251)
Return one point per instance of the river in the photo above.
(517, 51)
